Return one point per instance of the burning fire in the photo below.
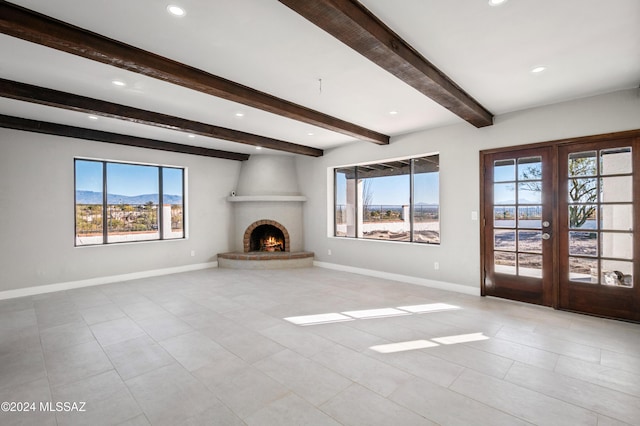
(271, 244)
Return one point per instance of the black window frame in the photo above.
(357, 204)
(105, 221)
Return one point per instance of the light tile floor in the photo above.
(213, 348)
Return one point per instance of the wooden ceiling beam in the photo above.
(47, 128)
(54, 98)
(28, 25)
(354, 25)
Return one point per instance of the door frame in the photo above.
(518, 287)
(554, 145)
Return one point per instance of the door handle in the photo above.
(546, 236)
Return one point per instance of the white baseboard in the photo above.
(441, 285)
(30, 291)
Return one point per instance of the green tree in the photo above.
(581, 189)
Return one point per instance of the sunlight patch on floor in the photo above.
(413, 345)
(461, 338)
(370, 313)
(318, 319)
(403, 346)
(376, 313)
(431, 307)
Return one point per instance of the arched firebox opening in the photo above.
(266, 238)
(266, 235)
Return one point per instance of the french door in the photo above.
(560, 225)
(519, 225)
(598, 216)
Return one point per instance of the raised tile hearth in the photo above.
(266, 260)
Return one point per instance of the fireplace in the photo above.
(267, 209)
(266, 246)
(266, 235)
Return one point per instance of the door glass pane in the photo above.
(583, 216)
(504, 262)
(616, 245)
(615, 161)
(616, 189)
(530, 192)
(517, 216)
(504, 171)
(583, 190)
(504, 216)
(583, 270)
(504, 240)
(530, 265)
(601, 201)
(504, 193)
(616, 217)
(617, 273)
(530, 168)
(583, 243)
(530, 241)
(530, 217)
(582, 164)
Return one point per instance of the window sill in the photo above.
(411, 243)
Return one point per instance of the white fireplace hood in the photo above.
(268, 190)
(268, 178)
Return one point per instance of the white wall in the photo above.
(459, 253)
(268, 175)
(37, 212)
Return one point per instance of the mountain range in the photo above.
(92, 197)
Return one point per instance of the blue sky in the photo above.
(504, 193)
(394, 190)
(126, 179)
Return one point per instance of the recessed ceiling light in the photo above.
(239, 114)
(393, 112)
(258, 147)
(538, 69)
(93, 117)
(176, 10)
(192, 136)
(310, 134)
(119, 83)
(497, 2)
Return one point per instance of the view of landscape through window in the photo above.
(396, 200)
(129, 210)
(599, 216)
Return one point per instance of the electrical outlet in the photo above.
(436, 265)
(193, 253)
(329, 252)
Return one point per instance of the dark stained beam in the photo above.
(54, 98)
(354, 25)
(46, 128)
(28, 25)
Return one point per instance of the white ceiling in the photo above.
(589, 47)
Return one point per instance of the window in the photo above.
(600, 216)
(395, 200)
(121, 202)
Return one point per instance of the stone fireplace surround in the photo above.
(267, 193)
(246, 240)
